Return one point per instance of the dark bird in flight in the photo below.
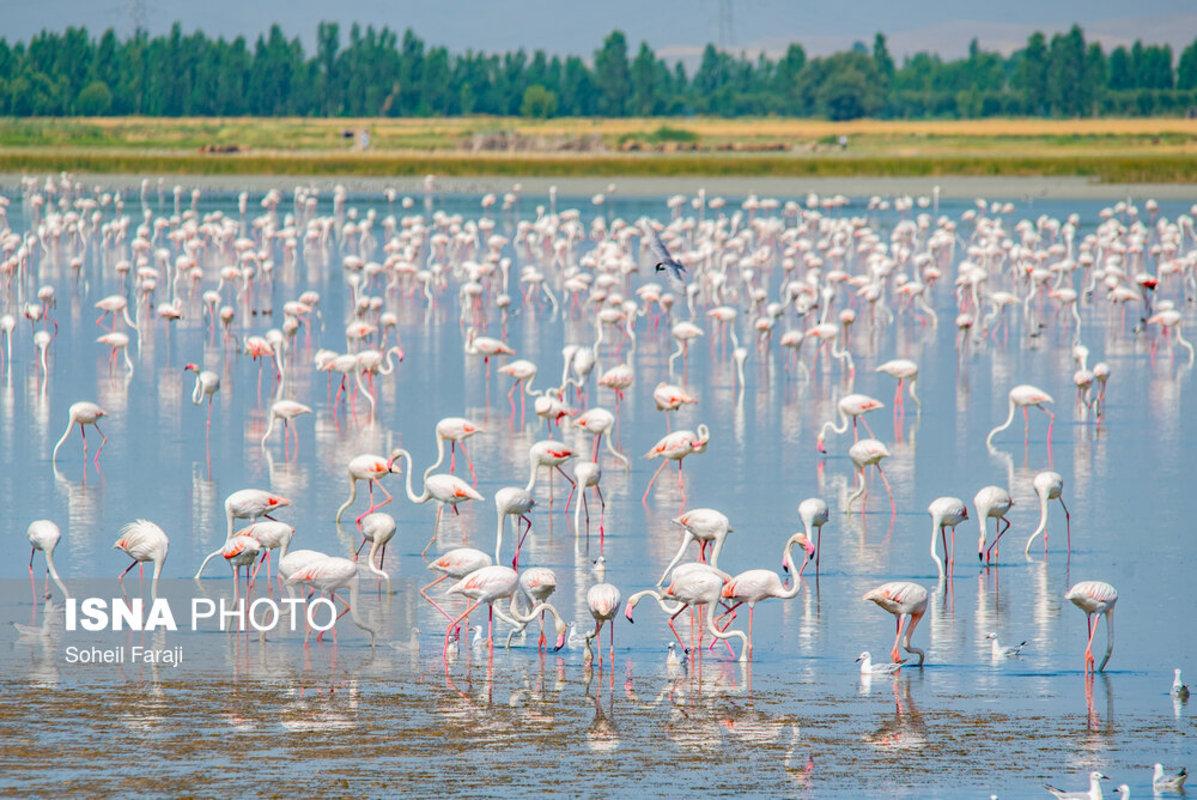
(661, 254)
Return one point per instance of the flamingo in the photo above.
(514, 501)
(523, 373)
(486, 347)
(946, 512)
(246, 504)
(814, 514)
(618, 379)
(691, 585)
(369, 468)
(1095, 597)
(489, 585)
(906, 372)
(603, 600)
(755, 585)
(683, 332)
(286, 410)
(992, 502)
(330, 574)
(271, 534)
(587, 475)
(117, 341)
(1024, 396)
(908, 603)
(114, 304)
(537, 584)
(456, 563)
(869, 452)
(1049, 486)
(83, 413)
(668, 397)
(455, 430)
(600, 422)
(675, 447)
(705, 526)
(854, 406)
(143, 541)
(444, 489)
(44, 535)
(551, 454)
(377, 529)
(207, 383)
(238, 552)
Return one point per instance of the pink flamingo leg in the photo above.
(651, 481)
(893, 508)
(424, 594)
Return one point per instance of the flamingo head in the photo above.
(191, 368)
(819, 444)
(393, 461)
(562, 630)
(627, 609)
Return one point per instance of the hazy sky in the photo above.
(674, 28)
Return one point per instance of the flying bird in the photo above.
(661, 254)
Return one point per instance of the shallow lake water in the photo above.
(246, 714)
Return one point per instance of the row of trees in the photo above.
(379, 73)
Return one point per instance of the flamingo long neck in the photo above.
(1003, 426)
(499, 534)
(532, 476)
(411, 495)
(197, 394)
(372, 567)
(65, 434)
(982, 524)
(1109, 639)
(269, 428)
(361, 386)
(796, 583)
(713, 560)
(654, 594)
(353, 595)
(713, 629)
(533, 613)
(1042, 522)
(158, 571)
(936, 527)
(687, 537)
(440, 457)
(627, 465)
(913, 621)
(53, 572)
(387, 367)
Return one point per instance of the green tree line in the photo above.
(374, 72)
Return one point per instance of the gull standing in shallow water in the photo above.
(997, 651)
(1161, 782)
(867, 667)
(1094, 792)
(1179, 690)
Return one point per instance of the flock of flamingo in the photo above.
(785, 281)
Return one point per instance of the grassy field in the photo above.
(1116, 150)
